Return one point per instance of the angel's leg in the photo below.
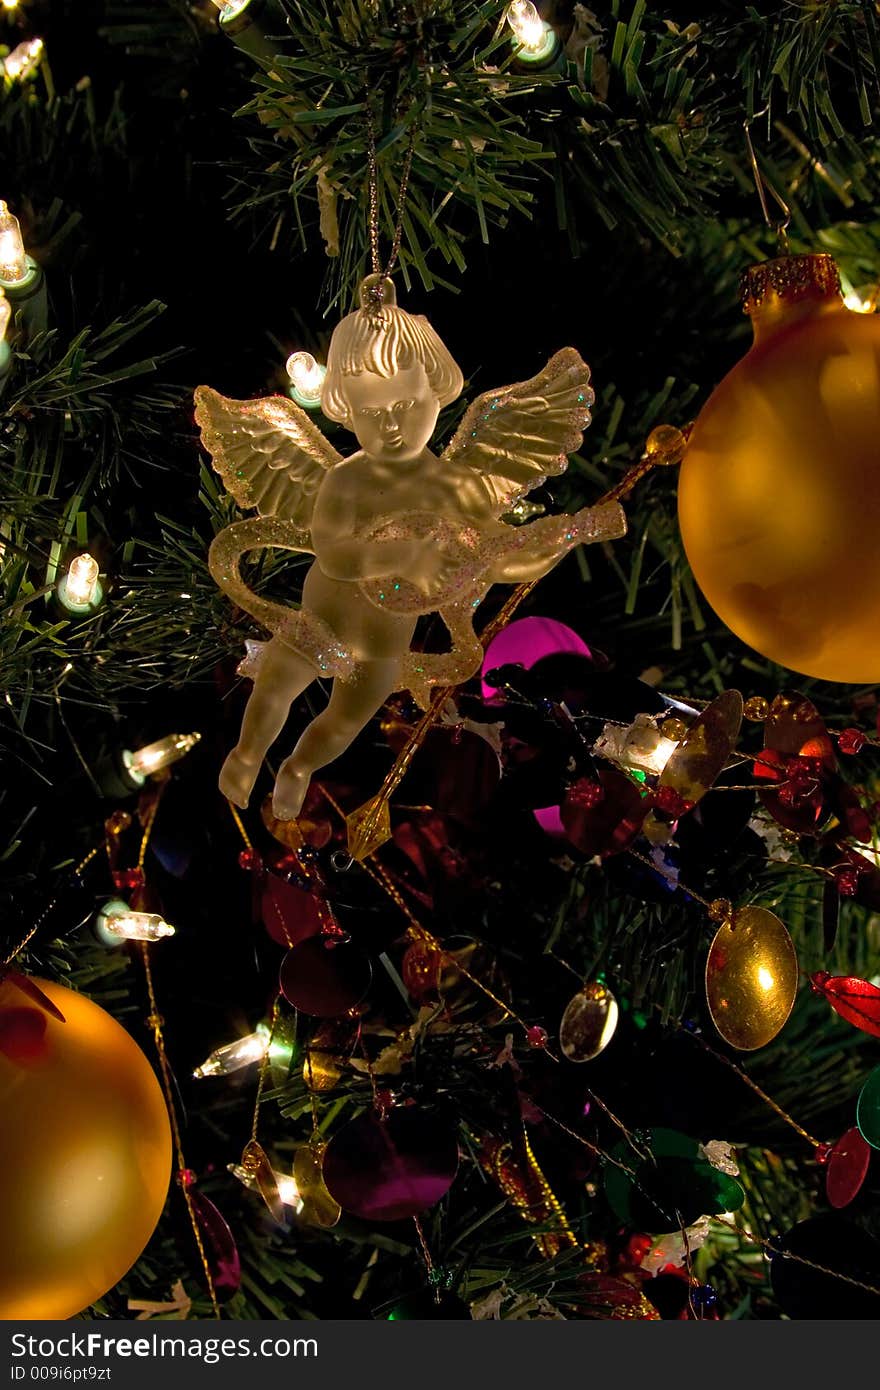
(281, 679)
(351, 706)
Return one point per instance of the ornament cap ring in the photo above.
(789, 278)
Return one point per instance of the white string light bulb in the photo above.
(13, 258)
(656, 758)
(230, 8)
(24, 60)
(639, 746)
(117, 922)
(236, 1055)
(285, 1182)
(9, 5)
(152, 758)
(859, 305)
(80, 589)
(526, 23)
(306, 379)
(533, 38)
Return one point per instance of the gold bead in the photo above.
(674, 729)
(756, 709)
(721, 910)
(665, 445)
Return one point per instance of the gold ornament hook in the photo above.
(763, 186)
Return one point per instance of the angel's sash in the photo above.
(299, 628)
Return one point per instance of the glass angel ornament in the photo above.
(396, 531)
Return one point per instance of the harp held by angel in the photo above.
(396, 531)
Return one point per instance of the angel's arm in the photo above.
(544, 542)
(542, 551)
(341, 555)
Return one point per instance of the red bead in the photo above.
(823, 1153)
(670, 802)
(127, 879)
(802, 786)
(384, 1101)
(331, 932)
(250, 859)
(851, 741)
(803, 773)
(587, 794)
(637, 1248)
(818, 980)
(420, 969)
(185, 1177)
(536, 1036)
(846, 880)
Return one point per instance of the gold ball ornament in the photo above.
(779, 492)
(85, 1154)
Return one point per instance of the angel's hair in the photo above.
(385, 343)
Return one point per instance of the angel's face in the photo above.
(393, 417)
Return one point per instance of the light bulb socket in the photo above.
(549, 56)
(126, 759)
(307, 402)
(110, 909)
(246, 26)
(116, 781)
(71, 605)
(30, 309)
(25, 288)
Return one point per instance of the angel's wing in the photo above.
(268, 452)
(517, 436)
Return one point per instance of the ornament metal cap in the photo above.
(789, 278)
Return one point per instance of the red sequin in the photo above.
(847, 1168)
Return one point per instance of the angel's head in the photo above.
(388, 375)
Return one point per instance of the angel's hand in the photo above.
(607, 522)
(431, 567)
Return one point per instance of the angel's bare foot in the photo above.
(291, 786)
(237, 778)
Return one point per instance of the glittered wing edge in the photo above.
(479, 428)
(312, 448)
